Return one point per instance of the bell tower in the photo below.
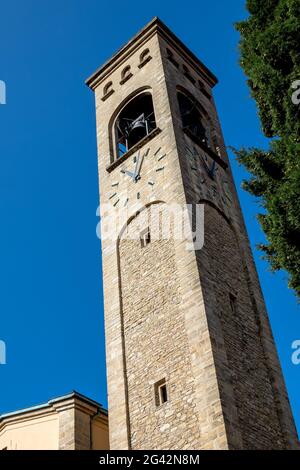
(191, 361)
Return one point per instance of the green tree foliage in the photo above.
(270, 57)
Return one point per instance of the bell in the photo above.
(138, 123)
(137, 130)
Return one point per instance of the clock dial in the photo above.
(209, 166)
(208, 177)
(133, 171)
(114, 196)
(198, 175)
(226, 191)
(160, 162)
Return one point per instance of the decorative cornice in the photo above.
(156, 26)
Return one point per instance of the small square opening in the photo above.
(161, 392)
(145, 237)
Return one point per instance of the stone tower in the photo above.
(190, 355)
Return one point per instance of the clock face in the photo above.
(209, 179)
(132, 171)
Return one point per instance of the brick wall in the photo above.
(156, 347)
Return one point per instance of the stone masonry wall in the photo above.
(248, 368)
(156, 347)
(82, 430)
(67, 429)
(222, 275)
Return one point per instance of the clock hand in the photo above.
(138, 169)
(137, 163)
(205, 164)
(210, 170)
(136, 174)
(129, 173)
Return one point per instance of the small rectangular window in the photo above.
(232, 300)
(145, 237)
(161, 392)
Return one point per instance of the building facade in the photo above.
(190, 354)
(70, 422)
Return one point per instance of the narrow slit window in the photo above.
(232, 300)
(145, 238)
(161, 392)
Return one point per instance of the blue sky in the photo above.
(50, 270)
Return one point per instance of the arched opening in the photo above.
(125, 74)
(193, 119)
(144, 55)
(107, 90)
(144, 58)
(135, 121)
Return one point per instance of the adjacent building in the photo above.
(69, 422)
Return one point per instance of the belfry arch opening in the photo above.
(134, 122)
(193, 118)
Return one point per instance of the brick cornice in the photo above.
(156, 26)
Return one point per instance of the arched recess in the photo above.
(133, 119)
(235, 327)
(195, 119)
(211, 204)
(155, 345)
(134, 215)
(107, 90)
(126, 74)
(120, 236)
(145, 57)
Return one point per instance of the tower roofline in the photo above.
(154, 26)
